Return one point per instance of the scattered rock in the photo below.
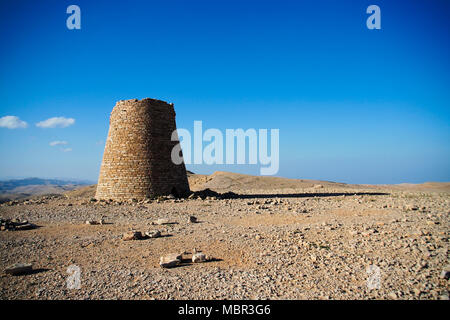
(25, 226)
(264, 250)
(212, 195)
(162, 221)
(9, 225)
(392, 295)
(445, 274)
(94, 222)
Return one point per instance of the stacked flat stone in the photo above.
(137, 160)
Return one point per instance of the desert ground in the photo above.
(271, 238)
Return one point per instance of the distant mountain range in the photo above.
(23, 188)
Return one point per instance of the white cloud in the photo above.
(58, 143)
(67, 149)
(56, 122)
(12, 122)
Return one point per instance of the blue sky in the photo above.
(352, 104)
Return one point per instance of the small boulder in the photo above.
(153, 234)
(199, 257)
(132, 235)
(25, 226)
(192, 219)
(19, 268)
(170, 260)
(162, 221)
(445, 274)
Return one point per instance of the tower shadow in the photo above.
(203, 194)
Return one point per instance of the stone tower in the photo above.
(137, 160)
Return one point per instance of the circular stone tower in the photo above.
(137, 160)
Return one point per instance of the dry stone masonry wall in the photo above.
(137, 160)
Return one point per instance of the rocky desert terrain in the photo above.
(266, 237)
